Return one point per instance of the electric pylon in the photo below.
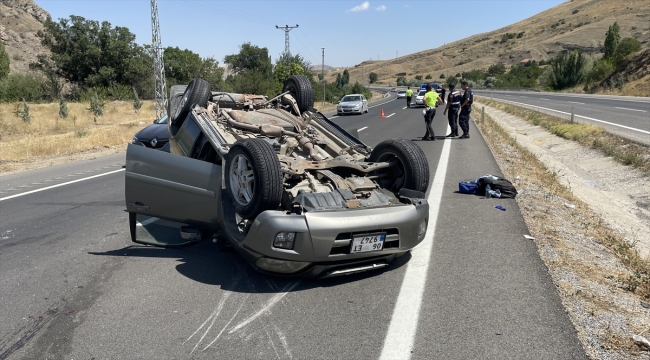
(158, 64)
(286, 29)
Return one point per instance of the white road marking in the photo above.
(575, 102)
(148, 221)
(545, 99)
(333, 117)
(403, 326)
(59, 185)
(404, 108)
(269, 304)
(381, 103)
(390, 115)
(363, 128)
(622, 108)
(580, 116)
(524, 97)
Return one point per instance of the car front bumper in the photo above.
(324, 239)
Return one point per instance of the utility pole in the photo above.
(286, 29)
(322, 71)
(160, 90)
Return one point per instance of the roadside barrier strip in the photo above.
(575, 115)
(400, 337)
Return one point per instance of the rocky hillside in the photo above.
(575, 24)
(19, 22)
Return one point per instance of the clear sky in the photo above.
(350, 31)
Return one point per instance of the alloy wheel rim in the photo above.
(242, 181)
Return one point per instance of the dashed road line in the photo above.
(575, 102)
(404, 108)
(334, 117)
(59, 185)
(363, 128)
(390, 115)
(622, 108)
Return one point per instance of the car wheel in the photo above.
(253, 177)
(197, 92)
(300, 88)
(411, 170)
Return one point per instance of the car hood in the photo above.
(350, 103)
(158, 131)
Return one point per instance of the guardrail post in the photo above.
(571, 114)
(482, 114)
(491, 97)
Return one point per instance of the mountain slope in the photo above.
(19, 22)
(576, 24)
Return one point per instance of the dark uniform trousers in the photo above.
(408, 101)
(452, 115)
(428, 118)
(463, 119)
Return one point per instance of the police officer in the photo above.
(431, 100)
(409, 94)
(453, 105)
(465, 109)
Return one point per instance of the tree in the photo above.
(250, 58)
(4, 62)
(497, 69)
(372, 77)
(442, 76)
(345, 78)
(626, 47)
(288, 65)
(567, 70)
(428, 77)
(418, 77)
(88, 53)
(401, 81)
(612, 39)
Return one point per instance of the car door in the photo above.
(364, 105)
(172, 187)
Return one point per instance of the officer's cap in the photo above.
(452, 85)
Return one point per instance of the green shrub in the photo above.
(23, 114)
(137, 104)
(20, 86)
(574, 12)
(96, 106)
(372, 77)
(428, 77)
(418, 77)
(4, 61)
(442, 76)
(63, 108)
(624, 48)
(567, 70)
(401, 81)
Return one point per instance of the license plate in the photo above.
(367, 242)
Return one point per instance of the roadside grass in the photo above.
(47, 135)
(624, 151)
(569, 240)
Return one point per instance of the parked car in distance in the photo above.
(401, 94)
(393, 89)
(291, 191)
(154, 136)
(353, 103)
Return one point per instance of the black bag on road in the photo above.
(506, 188)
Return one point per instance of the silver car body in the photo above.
(419, 98)
(353, 103)
(184, 187)
(401, 94)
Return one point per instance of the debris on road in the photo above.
(641, 341)
(570, 206)
(500, 208)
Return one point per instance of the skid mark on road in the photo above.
(272, 344)
(266, 307)
(283, 340)
(212, 317)
(227, 324)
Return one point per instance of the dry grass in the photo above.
(47, 135)
(621, 150)
(598, 273)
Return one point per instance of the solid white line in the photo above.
(363, 128)
(575, 102)
(58, 185)
(403, 326)
(580, 116)
(390, 115)
(629, 109)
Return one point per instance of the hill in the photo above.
(575, 24)
(19, 22)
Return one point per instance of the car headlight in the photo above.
(135, 140)
(284, 240)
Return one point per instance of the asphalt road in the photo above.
(74, 286)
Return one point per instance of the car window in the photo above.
(162, 120)
(401, 92)
(422, 92)
(351, 98)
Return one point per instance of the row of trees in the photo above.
(88, 58)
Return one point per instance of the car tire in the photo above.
(300, 88)
(253, 177)
(411, 171)
(197, 92)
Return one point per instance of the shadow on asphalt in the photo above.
(205, 264)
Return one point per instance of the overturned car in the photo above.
(291, 191)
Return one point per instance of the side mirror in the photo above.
(155, 121)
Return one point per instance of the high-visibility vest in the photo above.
(409, 92)
(431, 98)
